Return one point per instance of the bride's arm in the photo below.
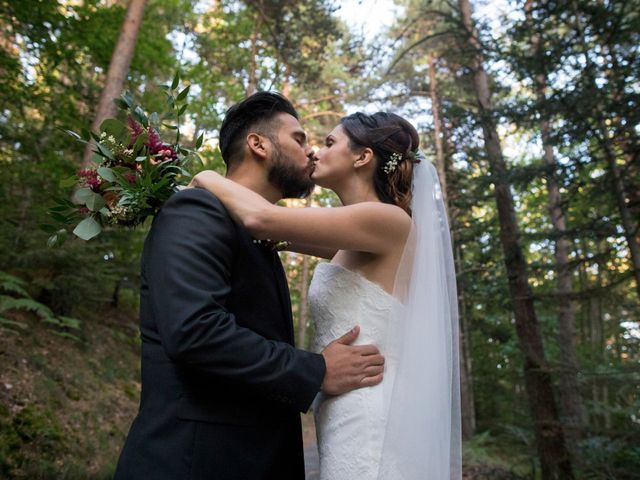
(369, 226)
(313, 250)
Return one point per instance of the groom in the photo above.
(222, 384)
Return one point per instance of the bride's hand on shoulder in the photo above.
(206, 179)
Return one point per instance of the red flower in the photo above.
(130, 177)
(89, 178)
(135, 129)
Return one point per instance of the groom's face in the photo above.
(291, 160)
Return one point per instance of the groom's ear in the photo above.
(258, 145)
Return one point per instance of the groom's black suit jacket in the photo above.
(222, 384)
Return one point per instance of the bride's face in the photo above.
(335, 160)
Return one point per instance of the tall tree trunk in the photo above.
(570, 400)
(554, 456)
(118, 69)
(437, 129)
(466, 387)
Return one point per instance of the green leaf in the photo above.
(107, 174)
(82, 194)
(183, 109)
(52, 241)
(139, 115)
(47, 228)
(74, 135)
(154, 119)
(200, 140)
(70, 322)
(12, 323)
(119, 130)
(140, 141)
(59, 217)
(183, 94)
(85, 133)
(105, 152)
(97, 159)
(68, 182)
(120, 103)
(95, 202)
(87, 229)
(127, 99)
(176, 80)
(172, 127)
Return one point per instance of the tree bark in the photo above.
(118, 69)
(570, 399)
(437, 129)
(466, 386)
(552, 450)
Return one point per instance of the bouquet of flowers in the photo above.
(134, 170)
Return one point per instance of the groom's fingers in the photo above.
(365, 350)
(371, 381)
(374, 370)
(374, 360)
(349, 337)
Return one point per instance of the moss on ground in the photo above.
(66, 405)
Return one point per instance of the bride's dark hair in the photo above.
(386, 134)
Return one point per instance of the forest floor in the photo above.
(66, 404)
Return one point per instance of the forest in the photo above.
(529, 111)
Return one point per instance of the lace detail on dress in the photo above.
(350, 427)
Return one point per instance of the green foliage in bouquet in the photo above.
(135, 171)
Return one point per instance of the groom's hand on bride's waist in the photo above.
(350, 367)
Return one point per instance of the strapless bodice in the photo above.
(340, 298)
(350, 427)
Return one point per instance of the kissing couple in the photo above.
(222, 383)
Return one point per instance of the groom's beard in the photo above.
(292, 181)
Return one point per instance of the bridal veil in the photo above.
(422, 438)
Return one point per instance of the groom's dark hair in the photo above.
(256, 113)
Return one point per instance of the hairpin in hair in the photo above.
(391, 164)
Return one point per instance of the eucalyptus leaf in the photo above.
(87, 229)
(200, 140)
(176, 80)
(95, 202)
(107, 174)
(183, 109)
(82, 194)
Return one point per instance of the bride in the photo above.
(391, 272)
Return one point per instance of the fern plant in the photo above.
(14, 296)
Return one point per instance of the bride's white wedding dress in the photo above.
(350, 428)
(408, 427)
